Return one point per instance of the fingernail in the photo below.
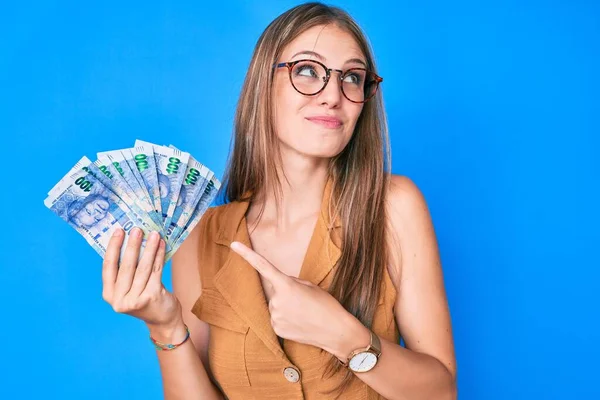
(162, 243)
(153, 235)
(118, 232)
(136, 232)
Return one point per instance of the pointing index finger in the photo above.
(264, 267)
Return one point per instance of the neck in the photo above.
(302, 188)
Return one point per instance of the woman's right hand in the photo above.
(135, 288)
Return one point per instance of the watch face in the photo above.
(363, 362)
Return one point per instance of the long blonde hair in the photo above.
(360, 173)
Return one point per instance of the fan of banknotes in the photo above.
(153, 187)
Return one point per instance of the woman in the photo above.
(301, 285)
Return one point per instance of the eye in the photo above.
(353, 78)
(306, 70)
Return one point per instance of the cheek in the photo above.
(288, 105)
(353, 114)
(84, 218)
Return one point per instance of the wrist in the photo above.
(173, 332)
(353, 335)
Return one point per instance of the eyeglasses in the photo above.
(309, 77)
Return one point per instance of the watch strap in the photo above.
(373, 347)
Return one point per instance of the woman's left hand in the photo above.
(303, 312)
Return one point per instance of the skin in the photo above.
(425, 369)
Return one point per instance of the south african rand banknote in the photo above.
(207, 198)
(171, 165)
(94, 210)
(83, 162)
(128, 156)
(145, 163)
(125, 181)
(130, 182)
(101, 173)
(195, 181)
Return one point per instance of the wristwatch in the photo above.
(365, 359)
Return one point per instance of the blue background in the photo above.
(493, 110)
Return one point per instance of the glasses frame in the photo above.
(342, 74)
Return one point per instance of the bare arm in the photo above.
(426, 368)
(185, 370)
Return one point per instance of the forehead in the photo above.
(332, 43)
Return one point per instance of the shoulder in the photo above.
(405, 203)
(409, 224)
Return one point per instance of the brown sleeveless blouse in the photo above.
(245, 355)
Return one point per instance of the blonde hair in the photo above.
(360, 173)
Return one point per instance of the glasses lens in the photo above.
(359, 84)
(308, 77)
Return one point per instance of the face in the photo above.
(320, 125)
(163, 186)
(92, 213)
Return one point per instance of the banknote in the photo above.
(171, 165)
(126, 181)
(101, 172)
(146, 165)
(93, 210)
(156, 188)
(194, 183)
(118, 162)
(131, 162)
(206, 200)
(129, 158)
(84, 161)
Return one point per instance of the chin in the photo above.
(321, 151)
(317, 146)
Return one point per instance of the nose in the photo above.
(332, 93)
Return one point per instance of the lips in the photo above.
(327, 122)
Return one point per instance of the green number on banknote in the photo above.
(118, 167)
(105, 171)
(84, 184)
(173, 165)
(208, 187)
(192, 177)
(140, 162)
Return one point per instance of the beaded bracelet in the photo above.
(166, 346)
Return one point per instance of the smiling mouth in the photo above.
(330, 123)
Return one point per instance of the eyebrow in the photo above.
(321, 58)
